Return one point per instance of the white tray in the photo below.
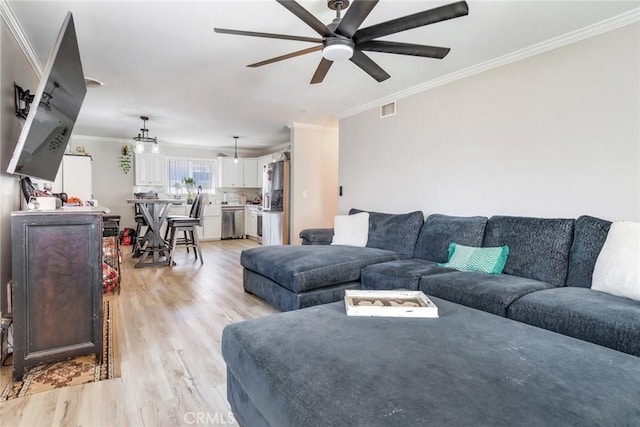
(389, 304)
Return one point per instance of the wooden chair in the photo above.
(140, 223)
(192, 214)
(187, 225)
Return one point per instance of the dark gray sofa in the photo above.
(532, 346)
(549, 260)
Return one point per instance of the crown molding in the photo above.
(300, 125)
(601, 27)
(16, 29)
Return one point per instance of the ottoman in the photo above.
(319, 367)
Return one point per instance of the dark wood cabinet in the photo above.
(57, 297)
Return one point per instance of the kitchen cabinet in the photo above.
(57, 296)
(230, 174)
(149, 169)
(212, 223)
(250, 173)
(243, 174)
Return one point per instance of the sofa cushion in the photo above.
(302, 268)
(400, 274)
(471, 258)
(393, 232)
(439, 231)
(586, 314)
(617, 269)
(351, 230)
(316, 236)
(589, 235)
(487, 292)
(538, 247)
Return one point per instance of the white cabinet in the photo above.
(230, 174)
(250, 173)
(212, 227)
(149, 169)
(243, 174)
(212, 223)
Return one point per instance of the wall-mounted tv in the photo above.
(53, 111)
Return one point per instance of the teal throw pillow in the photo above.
(467, 258)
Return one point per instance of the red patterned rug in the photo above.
(80, 370)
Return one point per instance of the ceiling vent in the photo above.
(388, 110)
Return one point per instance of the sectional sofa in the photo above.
(533, 345)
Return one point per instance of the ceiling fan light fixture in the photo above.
(338, 51)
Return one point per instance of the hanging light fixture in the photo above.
(235, 156)
(143, 137)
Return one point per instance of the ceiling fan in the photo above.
(343, 39)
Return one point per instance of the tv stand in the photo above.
(57, 271)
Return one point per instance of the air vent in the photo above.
(388, 110)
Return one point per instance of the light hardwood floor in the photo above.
(170, 325)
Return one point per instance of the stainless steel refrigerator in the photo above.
(276, 203)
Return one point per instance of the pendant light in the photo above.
(235, 156)
(143, 137)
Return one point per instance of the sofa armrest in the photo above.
(316, 236)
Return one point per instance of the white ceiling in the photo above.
(163, 59)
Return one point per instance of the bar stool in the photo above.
(192, 214)
(140, 222)
(187, 225)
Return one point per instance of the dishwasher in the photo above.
(233, 222)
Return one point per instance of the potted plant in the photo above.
(189, 183)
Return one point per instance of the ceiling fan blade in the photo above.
(431, 16)
(321, 71)
(368, 66)
(306, 16)
(267, 35)
(287, 56)
(355, 16)
(404, 49)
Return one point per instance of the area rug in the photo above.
(80, 370)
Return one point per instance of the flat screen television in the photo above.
(54, 110)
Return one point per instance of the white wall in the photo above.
(314, 177)
(14, 68)
(555, 135)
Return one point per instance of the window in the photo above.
(200, 170)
